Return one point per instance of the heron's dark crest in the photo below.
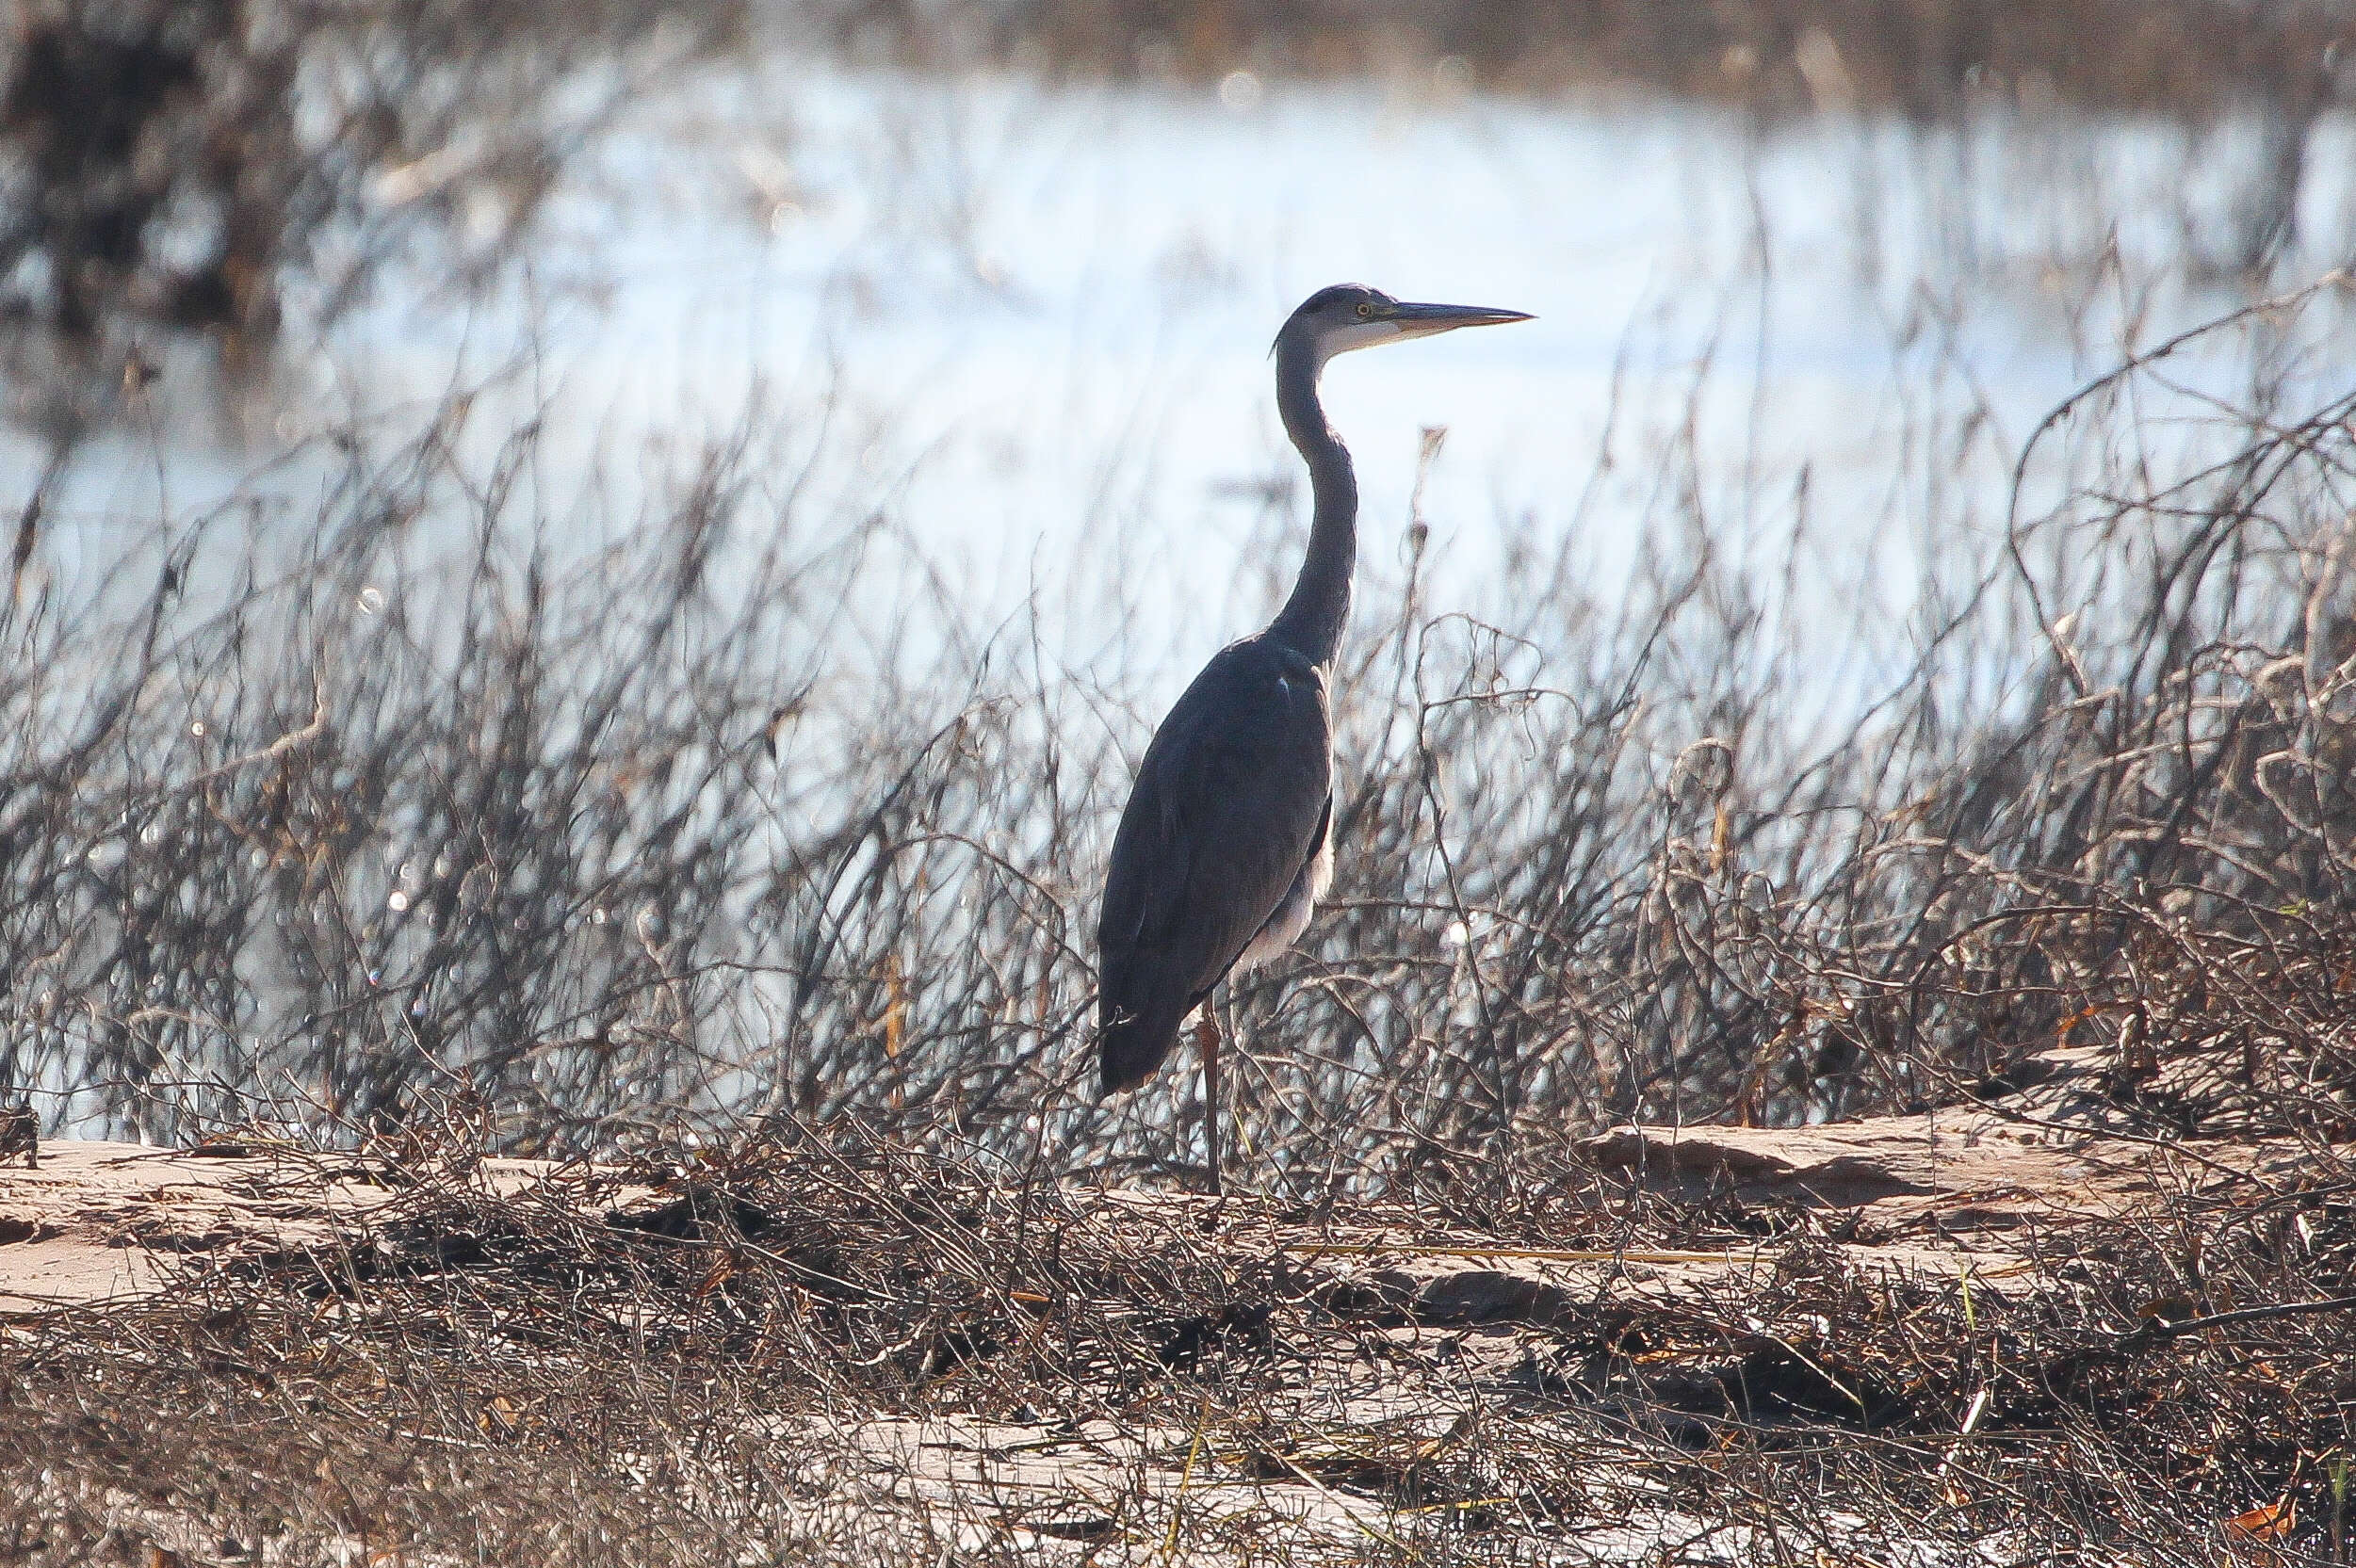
(1226, 844)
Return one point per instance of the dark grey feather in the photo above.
(1224, 820)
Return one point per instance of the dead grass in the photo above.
(828, 1351)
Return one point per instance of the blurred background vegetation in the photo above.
(167, 162)
(1928, 58)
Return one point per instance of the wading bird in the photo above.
(1227, 842)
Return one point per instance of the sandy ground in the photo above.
(1934, 1194)
(1468, 1322)
(92, 1222)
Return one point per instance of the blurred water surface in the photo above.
(1019, 332)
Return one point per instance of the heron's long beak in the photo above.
(1424, 320)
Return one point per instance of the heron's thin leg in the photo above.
(1206, 1036)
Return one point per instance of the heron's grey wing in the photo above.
(1223, 816)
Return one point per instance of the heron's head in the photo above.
(1351, 316)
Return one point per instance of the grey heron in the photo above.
(1227, 842)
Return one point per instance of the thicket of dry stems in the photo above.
(316, 837)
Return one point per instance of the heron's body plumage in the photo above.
(1222, 852)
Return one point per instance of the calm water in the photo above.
(1035, 324)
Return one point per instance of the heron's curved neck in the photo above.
(1311, 621)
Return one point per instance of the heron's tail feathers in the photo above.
(1130, 1047)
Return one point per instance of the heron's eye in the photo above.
(1366, 311)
